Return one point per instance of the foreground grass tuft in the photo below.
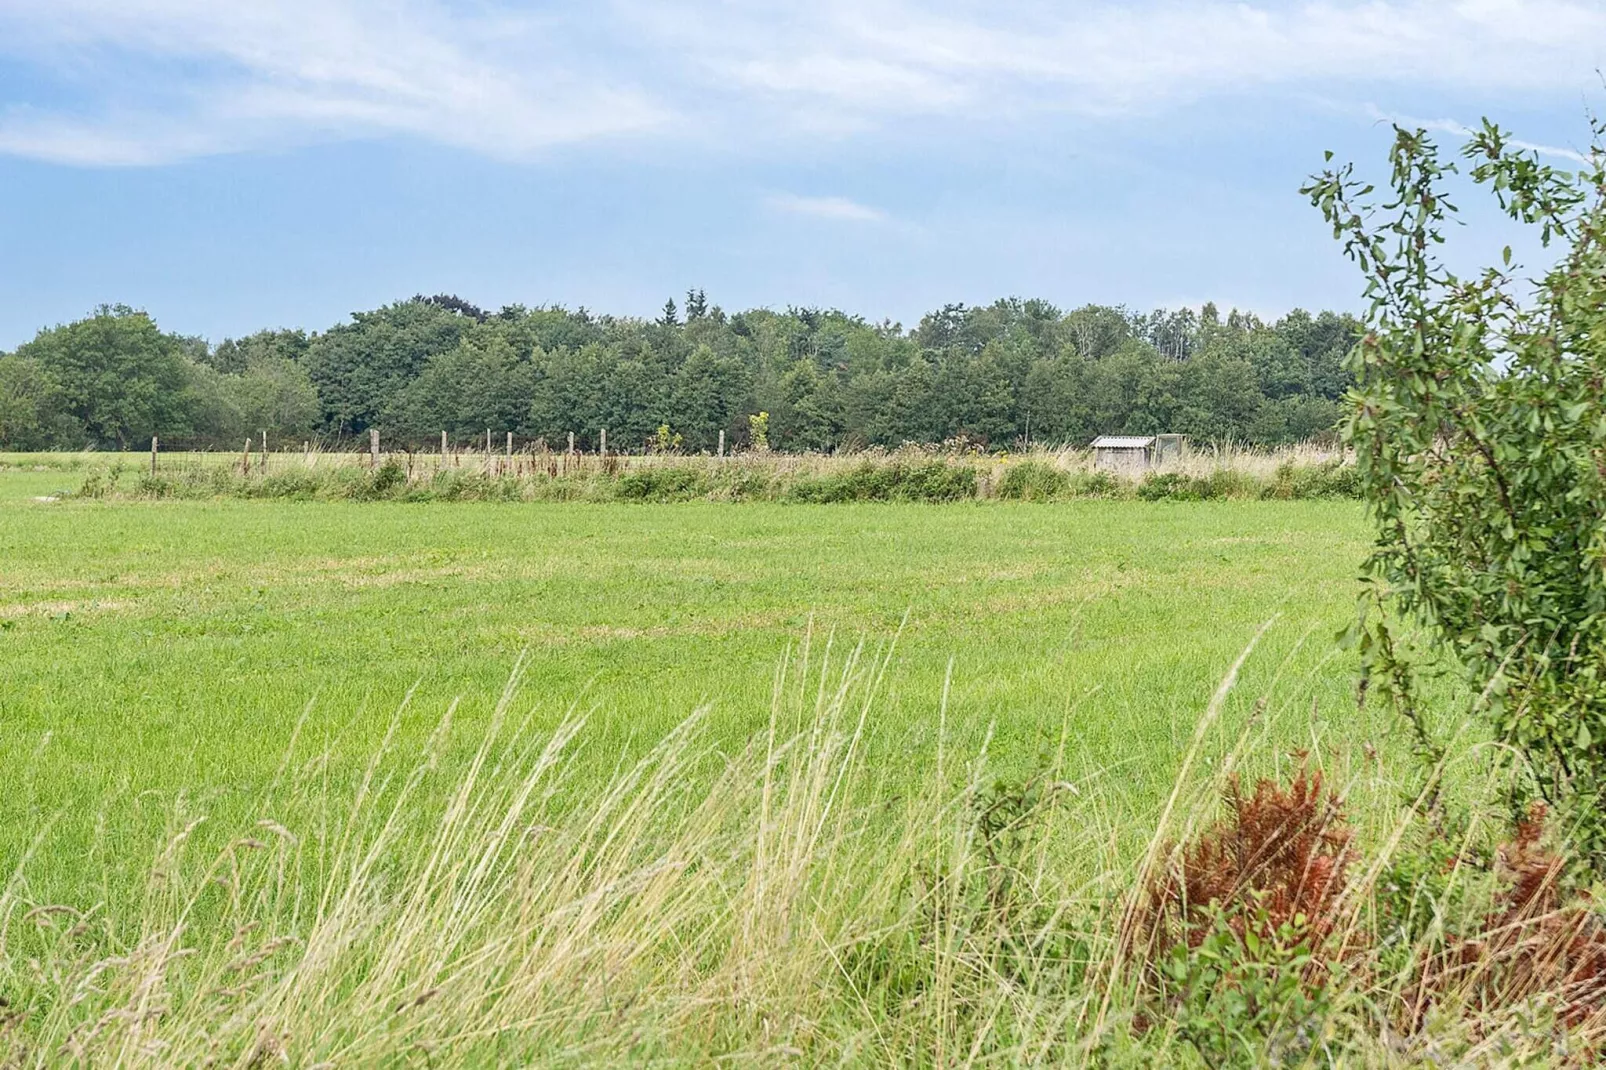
(780, 909)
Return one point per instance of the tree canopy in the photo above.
(992, 375)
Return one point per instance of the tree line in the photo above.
(995, 375)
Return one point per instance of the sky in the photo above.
(230, 165)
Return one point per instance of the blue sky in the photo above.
(234, 164)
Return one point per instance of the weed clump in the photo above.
(1034, 481)
(1543, 941)
(900, 481)
(1169, 486)
(1241, 937)
(1330, 479)
(1281, 852)
(678, 484)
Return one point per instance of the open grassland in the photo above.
(172, 647)
(699, 826)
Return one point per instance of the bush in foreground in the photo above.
(1479, 427)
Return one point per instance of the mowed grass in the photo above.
(156, 658)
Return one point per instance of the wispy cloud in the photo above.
(903, 56)
(837, 208)
(155, 80)
(144, 81)
(1463, 132)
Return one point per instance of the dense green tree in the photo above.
(1096, 331)
(478, 385)
(567, 396)
(807, 413)
(1219, 399)
(975, 399)
(117, 374)
(214, 407)
(1055, 402)
(30, 414)
(633, 402)
(360, 367)
(234, 355)
(276, 395)
(711, 394)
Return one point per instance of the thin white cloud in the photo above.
(836, 208)
(147, 81)
(890, 57)
(168, 79)
(1463, 131)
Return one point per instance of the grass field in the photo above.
(173, 647)
(157, 658)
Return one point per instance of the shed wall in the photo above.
(1111, 459)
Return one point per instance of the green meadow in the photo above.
(167, 650)
(604, 782)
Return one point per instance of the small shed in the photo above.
(1123, 453)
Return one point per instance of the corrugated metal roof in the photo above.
(1123, 442)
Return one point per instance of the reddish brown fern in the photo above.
(1538, 941)
(1277, 862)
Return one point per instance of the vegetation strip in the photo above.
(910, 476)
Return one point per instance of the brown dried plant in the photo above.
(1542, 941)
(1276, 863)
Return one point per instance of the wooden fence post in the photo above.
(373, 448)
(722, 443)
(487, 442)
(153, 456)
(245, 457)
(264, 451)
(602, 448)
(510, 443)
(571, 443)
(443, 443)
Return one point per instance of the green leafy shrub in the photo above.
(456, 484)
(1220, 484)
(387, 478)
(302, 484)
(1247, 1000)
(1228, 483)
(929, 481)
(1170, 487)
(1097, 485)
(746, 485)
(1034, 481)
(1332, 479)
(654, 484)
(1479, 425)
